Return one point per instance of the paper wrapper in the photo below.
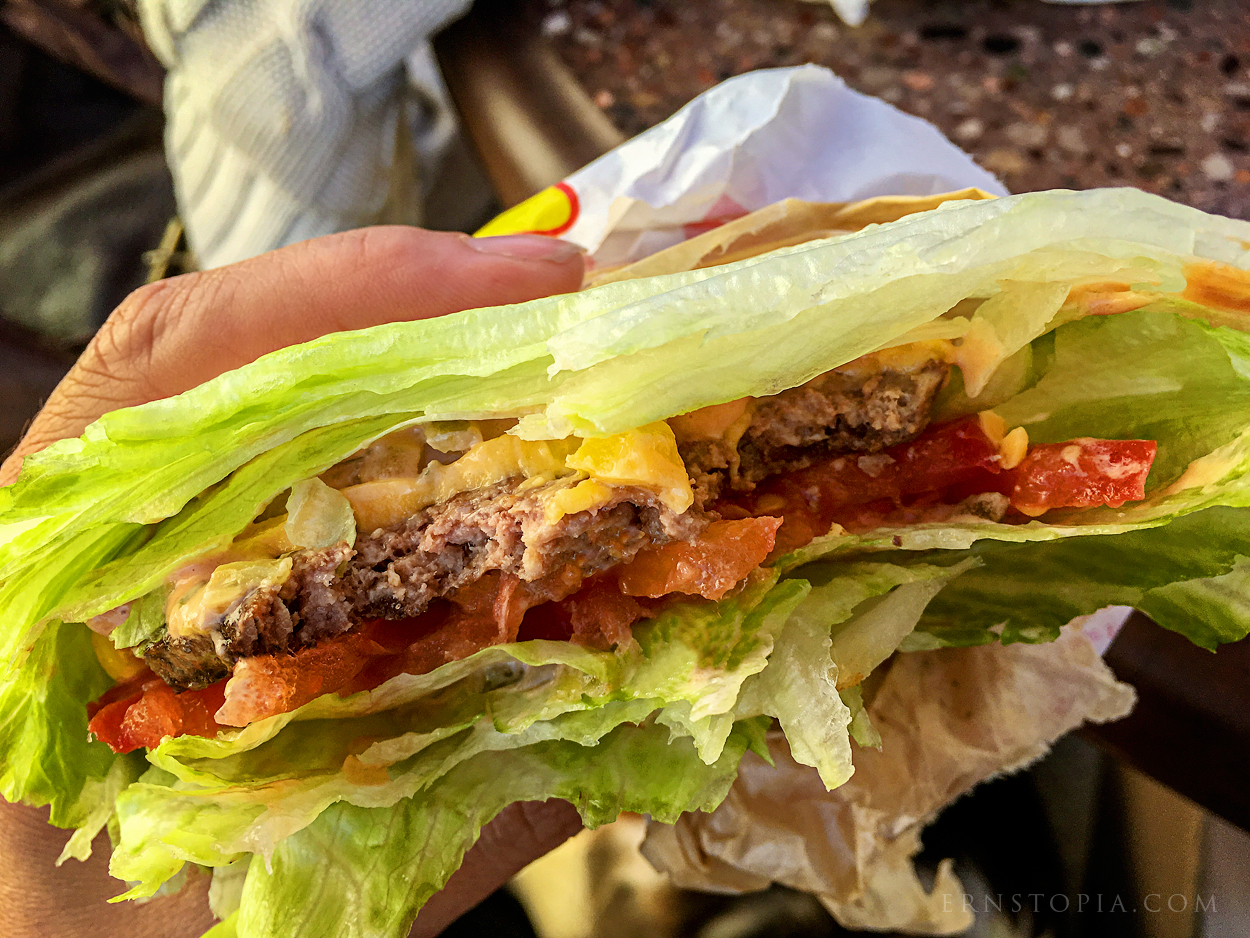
(948, 719)
(786, 133)
(782, 224)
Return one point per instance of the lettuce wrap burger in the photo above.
(313, 623)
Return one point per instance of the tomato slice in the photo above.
(107, 721)
(709, 566)
(918, 481)
(598, 616)
(266, 685)
(152, 711)
(957, 454)
(1082, 473)
(199, 710)
(129, 690)
(945, 464)
(603, 618)
(153, 717)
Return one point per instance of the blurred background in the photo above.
(463, 111)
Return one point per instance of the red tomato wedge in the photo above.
(267, 685)
(126, 692)
(920, 481)
(710, 566)
(957, 454)
(153, 711)
(946, 463)
(108, 722)
(1082, 473)
(599, 615)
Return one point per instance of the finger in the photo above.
(170, 336)
(39, 898)
(520, 834)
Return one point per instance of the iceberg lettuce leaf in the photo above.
(1185, 576)
(359, 872)
(852, 618)
(43, 728)
(1145, 375)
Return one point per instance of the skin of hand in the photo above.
(170, 336)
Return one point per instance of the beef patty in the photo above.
(832, 415)
(396, 573)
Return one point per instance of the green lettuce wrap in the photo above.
(1108, 315)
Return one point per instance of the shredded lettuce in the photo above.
(43, 728)
(313, 883)
(318, 516)
(144, 622)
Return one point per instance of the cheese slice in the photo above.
(384, 502)
(646, 457)
(197, 603)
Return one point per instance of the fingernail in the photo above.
(530, 247)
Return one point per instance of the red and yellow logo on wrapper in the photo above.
(550, 212)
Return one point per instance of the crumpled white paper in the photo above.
(749, 142)
(948, 720)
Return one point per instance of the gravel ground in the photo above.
(1149, 94)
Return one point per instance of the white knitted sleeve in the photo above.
(281, 114)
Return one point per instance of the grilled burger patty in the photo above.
(393, 574)
(834, 414)
(396, 573)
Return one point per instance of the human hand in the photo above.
(173, 335)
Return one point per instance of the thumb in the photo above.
(519, 834)
(170, 336)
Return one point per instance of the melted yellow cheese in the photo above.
(905, 358)
(118, 663)
(978, 356)
(710, 423)
(386, 501)
(993, 426)
(1012, 446)
(646, 457)
(197, 603)
(588, 494)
